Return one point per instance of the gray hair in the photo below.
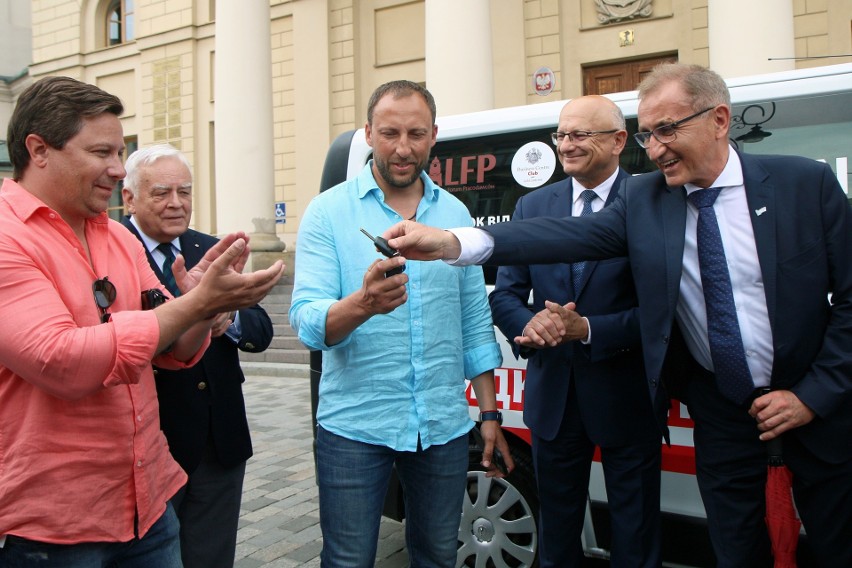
(147, 156)
(705, 88)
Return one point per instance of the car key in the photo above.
(498, 460)
(383, 247)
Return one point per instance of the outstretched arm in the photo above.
(420, 242)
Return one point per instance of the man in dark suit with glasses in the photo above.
(585, 389)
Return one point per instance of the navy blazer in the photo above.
(608, 374)
(803, 231)
(208, 398)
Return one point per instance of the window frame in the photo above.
(126, 22)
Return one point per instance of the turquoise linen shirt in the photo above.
(402, 374)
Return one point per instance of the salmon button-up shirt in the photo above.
(81, 451)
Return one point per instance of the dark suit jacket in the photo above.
(608, 374)
(208, 398)
(803, 231)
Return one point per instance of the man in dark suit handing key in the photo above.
(781, 317)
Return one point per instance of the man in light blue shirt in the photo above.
(397, 348)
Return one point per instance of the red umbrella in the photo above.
(782, 521)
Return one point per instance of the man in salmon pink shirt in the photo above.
(85, 472)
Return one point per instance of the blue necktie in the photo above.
(723, 330)
(168, 275)
(577, 268)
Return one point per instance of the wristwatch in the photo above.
(491, 415)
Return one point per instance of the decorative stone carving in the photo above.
(610, 11)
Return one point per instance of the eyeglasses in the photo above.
(667, 132)
(577, 135)
(104, 292)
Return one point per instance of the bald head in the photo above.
(596, 109)
(591, 156)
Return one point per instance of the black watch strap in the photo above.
(491, 415)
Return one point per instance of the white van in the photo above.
(482, 158)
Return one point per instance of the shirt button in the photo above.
(139, 463)
(139, 418)
(202, 385)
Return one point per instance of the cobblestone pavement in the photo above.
(279, 521)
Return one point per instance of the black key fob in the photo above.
(383, 247)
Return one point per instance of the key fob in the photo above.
(383, 247)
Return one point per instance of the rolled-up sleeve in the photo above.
(481, 351)
(318, 280)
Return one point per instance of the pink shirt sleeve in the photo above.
(70, 354)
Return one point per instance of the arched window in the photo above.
(120, 22)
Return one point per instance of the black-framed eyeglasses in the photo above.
(104, 292)
(667, 132)
(577, 136)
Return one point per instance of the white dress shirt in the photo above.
(732, 213)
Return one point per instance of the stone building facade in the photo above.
(322, 58)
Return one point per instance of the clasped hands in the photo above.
(554, 325)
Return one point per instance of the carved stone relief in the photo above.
(610, 11)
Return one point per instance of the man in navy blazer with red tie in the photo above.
(202, 411)
(586, 388)
(786, 228)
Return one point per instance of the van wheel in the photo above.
(499, 519)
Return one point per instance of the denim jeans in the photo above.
(159, 547)
(353, 479)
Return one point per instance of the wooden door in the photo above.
(618, 77)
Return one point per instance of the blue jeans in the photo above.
(353, 479)
(159, 547)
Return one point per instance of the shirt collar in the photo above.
(24, 204)
(601, 191)
(152, 244)
(367, 184)
(731, 176)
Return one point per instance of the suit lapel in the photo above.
(760, 195)
(613, 193)
(190, 248)
(126, 222)
(560, 205)
(673, 215)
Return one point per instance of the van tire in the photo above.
(483, 530)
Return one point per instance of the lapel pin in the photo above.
(760, 211)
